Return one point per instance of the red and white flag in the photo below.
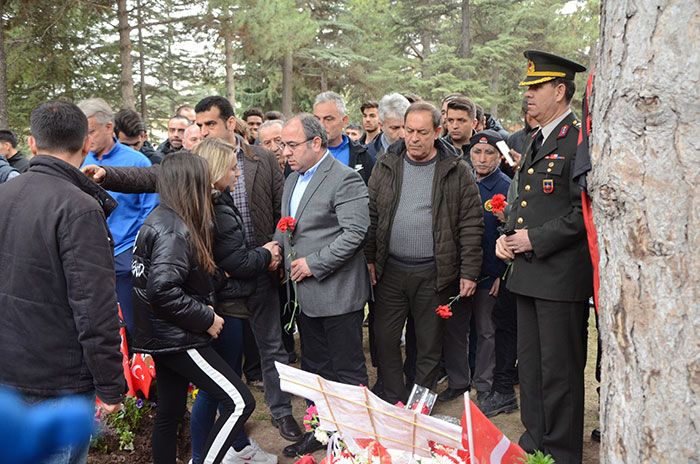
(125, 355)
(142, 373)
(486, 444)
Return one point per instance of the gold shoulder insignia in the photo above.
(576, 123)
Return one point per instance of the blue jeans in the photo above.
(74, 454)
(122, 267)
(229, 346)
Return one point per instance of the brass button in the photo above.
(530, 171)
(520, 220)
(527, 188)
(549, 169)
(523, 204)
(517, 168)
(551, 164)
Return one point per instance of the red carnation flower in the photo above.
(498, 203)
(285, 223)
(443, 311)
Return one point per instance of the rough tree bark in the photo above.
(287, 84)
(494, 90)
(324, 79)
(142, 65)
(4, 113)
(426, 46)
(465, 51)
(127, 80)
(230, 80)
(645, 151)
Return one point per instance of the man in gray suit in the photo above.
(331, 206)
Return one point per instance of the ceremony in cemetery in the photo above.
(349, 232)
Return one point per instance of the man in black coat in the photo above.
(552, 273)
(60, 326)
(8, 148)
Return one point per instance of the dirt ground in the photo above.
(260, 428)
(266, 435)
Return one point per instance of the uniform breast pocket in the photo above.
(551, 167)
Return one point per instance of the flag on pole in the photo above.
(125, 354)
(486, 444)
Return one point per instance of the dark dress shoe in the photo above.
(451, 393)
(288, 427)
(595, 435)
(306, 445)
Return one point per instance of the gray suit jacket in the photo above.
(332, 225)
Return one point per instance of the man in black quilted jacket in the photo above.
(60, 329)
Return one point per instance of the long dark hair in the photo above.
(184, 185)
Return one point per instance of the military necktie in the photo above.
(537, 144)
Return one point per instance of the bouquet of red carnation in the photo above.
(498, 203)
(288, 222)
(287, 225)
(444, 310)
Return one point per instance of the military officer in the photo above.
(551, 273)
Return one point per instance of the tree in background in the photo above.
(278, 54)
(644, 187)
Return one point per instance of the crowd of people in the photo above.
(389, 219)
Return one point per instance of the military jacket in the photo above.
(549, 206)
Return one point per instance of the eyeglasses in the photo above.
(293, 145)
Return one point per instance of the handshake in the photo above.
(274, 248)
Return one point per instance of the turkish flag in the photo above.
(142, 373)
(486, 444)
(125, 354)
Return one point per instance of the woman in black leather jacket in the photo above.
(239, 268)
(174, 317)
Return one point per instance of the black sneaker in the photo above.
(498, 403)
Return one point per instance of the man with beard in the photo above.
(176, 133)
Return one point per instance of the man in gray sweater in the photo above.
(424, 243)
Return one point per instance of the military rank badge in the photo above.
(548, 185)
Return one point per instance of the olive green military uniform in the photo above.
(553, 283)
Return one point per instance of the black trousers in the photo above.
(404, 290)
(286, 318)
(505, 318)
(206, 369)
(252, 369)
(332, 347)
(551, 360)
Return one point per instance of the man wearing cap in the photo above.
(484, 157)
(551, 274)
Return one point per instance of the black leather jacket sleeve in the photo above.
(230, 251)
(171, 261)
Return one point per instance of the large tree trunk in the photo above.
(287, 88)
(324, 79)
(4, 113)
(142, 65)
(645, 152)
(425, 44)
(230, 80)
(494, 90)
(127, 80)
(465, 50)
